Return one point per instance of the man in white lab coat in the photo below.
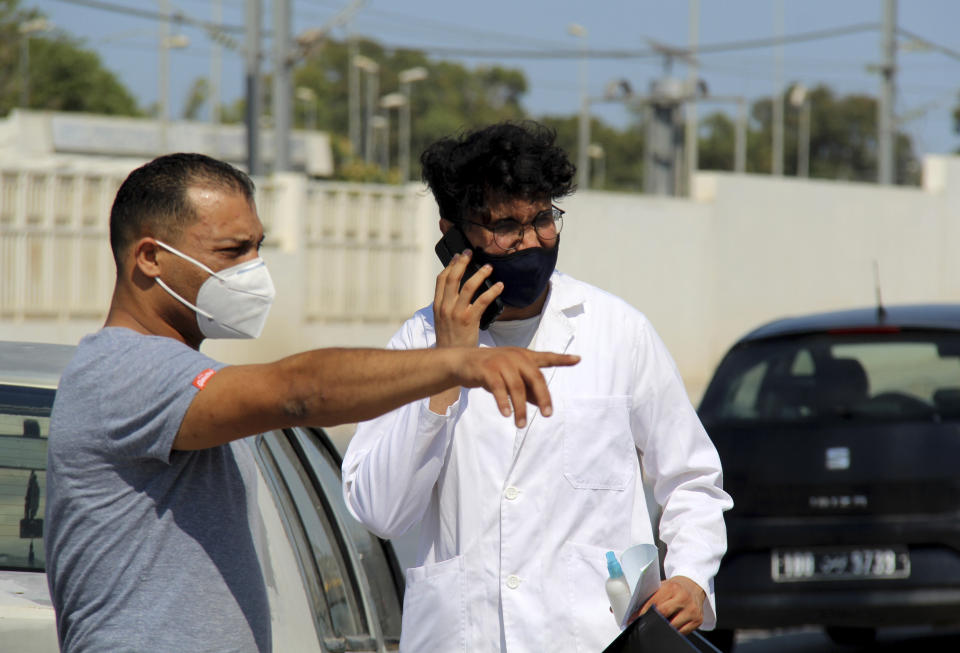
(516, 519)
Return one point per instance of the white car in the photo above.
(332, 585)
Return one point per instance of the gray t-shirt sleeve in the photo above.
(142, 405)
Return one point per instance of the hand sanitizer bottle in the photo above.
(618, 591)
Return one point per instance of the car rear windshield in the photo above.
(24, 425)
(838, 376)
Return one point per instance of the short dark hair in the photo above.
(153, 198)
(502, 161)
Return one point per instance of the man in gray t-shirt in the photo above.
(148, 535)
(187, 511)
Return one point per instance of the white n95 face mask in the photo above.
(232, 303)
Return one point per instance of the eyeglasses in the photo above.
(509, 233)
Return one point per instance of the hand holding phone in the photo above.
(455, 242)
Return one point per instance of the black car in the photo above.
(839, 435)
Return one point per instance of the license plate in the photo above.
(789, 566)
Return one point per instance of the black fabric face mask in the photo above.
(524, 273)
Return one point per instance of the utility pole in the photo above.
(282, 88)
(163, 92)
(777, 164)
(216, 70)
(885, 119)
(254, 96)
(690, 137)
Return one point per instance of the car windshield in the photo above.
(24, 425)
(838, 376)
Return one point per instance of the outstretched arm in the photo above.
(332, 386)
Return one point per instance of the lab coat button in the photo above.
(511, 493)
(513, 582)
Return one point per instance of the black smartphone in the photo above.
(454, 242)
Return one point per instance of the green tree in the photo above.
(622, 151)
(715, 146)
(843, 139)
(453, 97)
(11, 17)
(63, 75)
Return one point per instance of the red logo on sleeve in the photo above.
(203, 377)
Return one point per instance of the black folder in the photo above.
(652, 633)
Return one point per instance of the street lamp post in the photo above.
(740, 138)
(583, 128)
(306, 95)
(372, 70)
(406, 78)
(26, 29)
(387, 102)
(800, 99)
(598, 154)
(380, 130)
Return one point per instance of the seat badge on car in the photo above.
(838, 458)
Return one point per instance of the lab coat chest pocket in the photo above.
(434, 609)
(598, 449)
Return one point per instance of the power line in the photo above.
(557, 53)
(574, 53)
(175, 16)
(800, 37)
(428, 25)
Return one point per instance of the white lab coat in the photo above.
(515, 523)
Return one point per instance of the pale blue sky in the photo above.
(928, 83)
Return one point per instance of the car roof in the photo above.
(33, 363)
(937, 317)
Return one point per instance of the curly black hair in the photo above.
(500, 162)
